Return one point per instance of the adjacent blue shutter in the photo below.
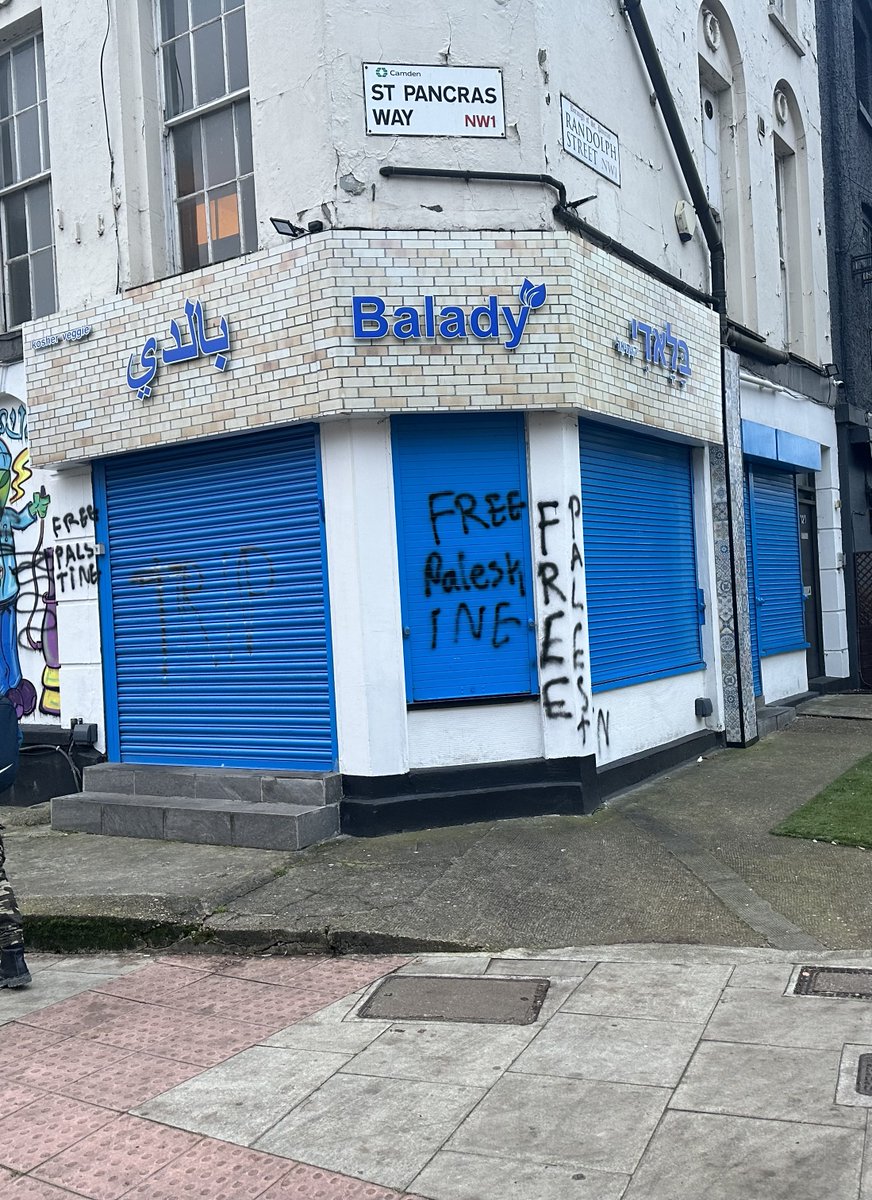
(466, 582)
(777, 563)
(643, 599)
(752, 591)
(214, 594)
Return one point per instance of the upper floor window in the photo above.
(26, 225)
(208, 120)
(863, 56)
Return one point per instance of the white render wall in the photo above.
(313, 159)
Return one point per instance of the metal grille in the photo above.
(845, 983)
(864, 1075)
(863, 583)
(477, 999)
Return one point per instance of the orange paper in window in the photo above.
(224, 214)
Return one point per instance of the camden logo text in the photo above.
(488, 321)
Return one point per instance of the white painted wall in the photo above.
(475, 733)
(783, 675)
(365, 618)
(314, 160)
(633, 719)
(768, 405)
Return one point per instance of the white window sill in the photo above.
(787, 33)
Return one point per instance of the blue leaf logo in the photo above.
(533, 296)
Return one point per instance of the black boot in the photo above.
(13, 968)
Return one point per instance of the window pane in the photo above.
(237, 50)
(173, 17)
(43, 127)
(5, 85)
(189, 159)
(42, 270)
(249, 215)
(27, 124)
(40, 68)
(39, 223)
(220, 152)
(209, 62)
(16, 225)
(204, 10)
(19, 292)
(242, 113)
(231, 4)
(7, 153)
(192, 231)
(224, 221)
(177, 77)
(24, 74)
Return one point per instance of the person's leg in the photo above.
(13, 969)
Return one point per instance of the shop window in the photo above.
(25, 185)
(463, 534)
(208, 119)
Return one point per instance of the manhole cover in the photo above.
(864, 1075)
(449, 998)
(846, 983)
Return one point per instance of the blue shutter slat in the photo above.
(215, 580)
(640, 552)
(480, 455)
(752, 590)
(777, 563)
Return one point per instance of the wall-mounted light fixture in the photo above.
(289, 229)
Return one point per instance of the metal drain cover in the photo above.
(846, 983)
(864, 1075)
(473, 998)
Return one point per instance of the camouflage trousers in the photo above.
(11, 929)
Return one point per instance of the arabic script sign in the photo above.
(195, 344)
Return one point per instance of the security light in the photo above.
(287, 228)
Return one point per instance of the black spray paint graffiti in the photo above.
(180, 590)
(485, 615)
(75, 566)
(562, 660)
(84, 517)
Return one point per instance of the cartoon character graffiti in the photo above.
(20, 691)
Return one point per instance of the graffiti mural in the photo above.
(29, 662)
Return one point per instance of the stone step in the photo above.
(773, 717)
(264, 826)
(215, 783)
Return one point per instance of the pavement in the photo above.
(686, 858)
(650, 1073)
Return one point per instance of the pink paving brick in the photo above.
(18, 1044)
(353, 971)
(154, 984)
(137, 1078)
(40, 1130)
(197, 962)
(186, 1037)
(54, 1068)
(121, 1156)
(81, 1014)
(311, 1183)
(213, 1170)
(284, 971)
(16, 1095)
(28, 1188)
(240, 999)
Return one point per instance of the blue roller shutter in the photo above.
(752, 591)
(463, 535)
(777, 564)
(644, 604)
(214, 604)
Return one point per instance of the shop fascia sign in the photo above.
(195, 344)
(372, 319)
(67, 335)
(660, 347)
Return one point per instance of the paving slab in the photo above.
(694, 1155)
(573, 1122)
(49, 987)
(454, 1176)
(619, 1049)
(242, 1098)
(777, 1082)
(455, 1053)
(757, 1017)
(767, 977)
(376, 1129)
(855, 706)
(670, 991)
